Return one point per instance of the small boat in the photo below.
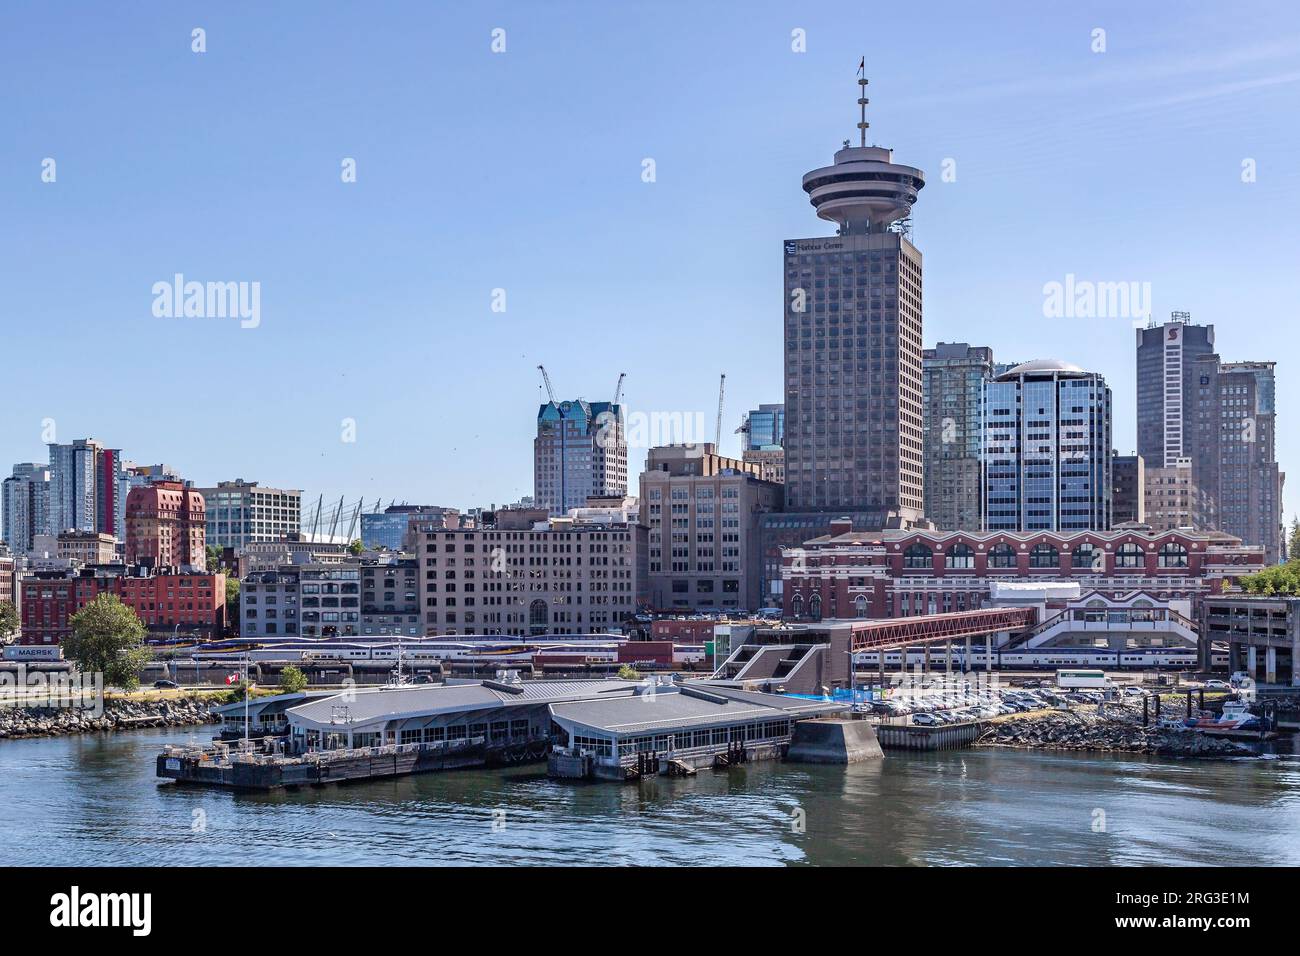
(1236, 716)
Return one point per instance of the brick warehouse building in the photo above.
(166, 526)
(902, 573)
(193, 604)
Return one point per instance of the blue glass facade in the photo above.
(1047, 429)
(766, 428)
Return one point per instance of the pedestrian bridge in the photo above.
(890, 633)
(811, 658)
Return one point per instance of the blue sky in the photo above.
(522, 171)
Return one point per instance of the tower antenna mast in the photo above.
(862, 102)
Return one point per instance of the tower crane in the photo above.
(547, 379)
(618, 389)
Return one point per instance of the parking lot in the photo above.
(937, 703)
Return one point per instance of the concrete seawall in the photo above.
(907, 737)
(833, 740)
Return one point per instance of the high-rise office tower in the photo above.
(24, 506)
(88, 489)
(853, 342)
(580, 451)
(1167, 356)
(1128, 499)
(953, 392)
(1047, 449)
(1236, 413)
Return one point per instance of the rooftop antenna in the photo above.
(717, 431)
(862, 101)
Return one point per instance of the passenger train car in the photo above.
(1151, 658)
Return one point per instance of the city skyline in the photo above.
(659, 248)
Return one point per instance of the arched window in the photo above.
(1044, 556)
(1086, 556)
(961, 557)
(1173, 555)
(1002, 556)
(537, 614)
(918, 556)
(796, 605)
(815, 607)
(860, 606)
(1129, 556)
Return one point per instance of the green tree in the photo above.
(1293, 542)
(628, 672)
(232, 604)
(108, 638)
(8, 620)
(1279, 579)
(356, 547)
(214, 557)
(292, 679)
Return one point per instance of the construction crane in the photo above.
(547, 379)
(618, 389)
(717, 431)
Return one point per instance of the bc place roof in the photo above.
(363, 707)
(684, 707)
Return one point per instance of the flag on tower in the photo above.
(862, 67)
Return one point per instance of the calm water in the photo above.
(93, 800)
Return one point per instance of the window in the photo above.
(537, 614)
(960, 556)
(815, 607)
(1044, 556)
(1173, 555)
(860, 606)
(1128, 556)
(1002, 556)
(918, 556)
(1086, 556)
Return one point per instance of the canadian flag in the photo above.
(232, 678)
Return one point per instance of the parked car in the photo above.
(926, 720)
(1217, 685)
(165, 685)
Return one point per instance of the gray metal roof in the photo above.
(669, 710)
(257, 704)
(380, 705)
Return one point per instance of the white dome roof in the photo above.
(1042, 367)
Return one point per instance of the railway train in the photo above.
(538, 652)
(1150, 658)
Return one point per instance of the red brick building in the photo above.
(900, 573)
(185, 604)
(165, 526)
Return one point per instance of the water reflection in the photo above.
(93, 800)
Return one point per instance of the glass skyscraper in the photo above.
(955, 375)
(1047, 449)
